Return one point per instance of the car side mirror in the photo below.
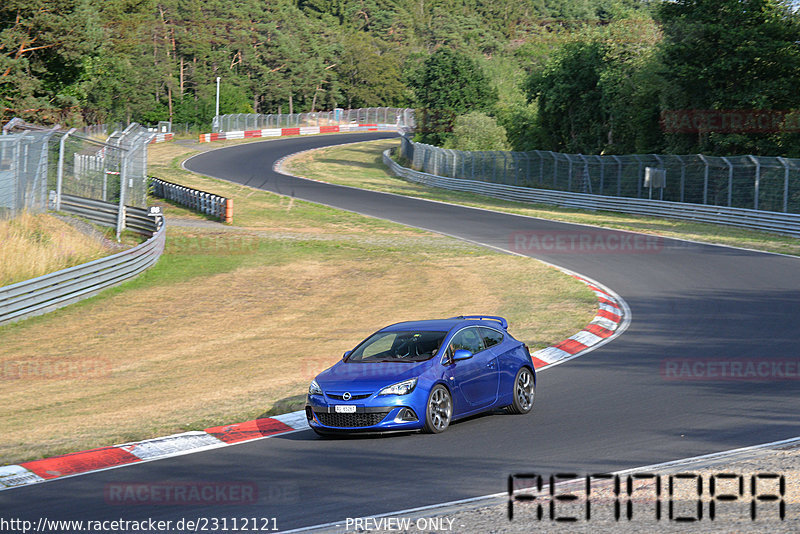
(346, 354)
(461, 354)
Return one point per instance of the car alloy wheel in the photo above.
(524, 392)
(439, 411)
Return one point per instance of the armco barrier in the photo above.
(56, 290)
(784, 223)
(207, 203)
(107, 213)
(303, 130)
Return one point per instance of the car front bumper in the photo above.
(389, 416)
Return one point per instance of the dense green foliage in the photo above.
(731, 55)
(449, 84)
(87, 61)
(477, 131)
(609, 92)
(589, 76)
(599, 93)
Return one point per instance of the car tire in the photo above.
(524, 392)
(438, 410)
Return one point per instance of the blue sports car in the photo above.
(422, 375)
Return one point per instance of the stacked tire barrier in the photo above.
(56, 290)
(208, 203)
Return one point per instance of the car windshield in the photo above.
(408, 346)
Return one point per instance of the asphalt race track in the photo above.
(614, 408)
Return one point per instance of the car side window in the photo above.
(491, 337)
(467, 339)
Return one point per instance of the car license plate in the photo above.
(345, 408)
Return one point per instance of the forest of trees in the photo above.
(588, 76)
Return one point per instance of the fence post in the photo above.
(757, 184)
(527, 169)
(555, 170)
(661, 164)
(639, 177)
(585, 175)
(705, 179)
(569, 173)
(619, 175)
(60, 179)
(683, 178)
(123, 174)
(602, 173)
(541, 167)
(785, 184)
(730, 181)
(472, 161)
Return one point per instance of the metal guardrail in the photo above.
(56, 290)
(784, 223)
(201, 201)
(750, 182)
(105, 213)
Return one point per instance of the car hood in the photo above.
(368, 376)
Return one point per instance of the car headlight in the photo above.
(314, 388)
(401, 388)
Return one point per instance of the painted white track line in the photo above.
(452, 507)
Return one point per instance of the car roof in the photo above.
(445, 325)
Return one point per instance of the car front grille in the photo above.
(350, 420)
(352, 397)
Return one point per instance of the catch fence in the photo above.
(753, 182)
(38, 167)
(401, 117)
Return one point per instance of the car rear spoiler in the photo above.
(500, 320)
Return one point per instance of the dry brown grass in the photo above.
(34, 245)
(227, 347)
(233, 320)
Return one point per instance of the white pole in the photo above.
(216, 114)
(123, 176)
(60, 175)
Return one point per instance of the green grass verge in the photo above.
(330, 164)
(234, 320)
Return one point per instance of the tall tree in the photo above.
(447, 85)
(730, 55)
(42, 48)
(600, 92)
(571, 111)
(369, 72)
